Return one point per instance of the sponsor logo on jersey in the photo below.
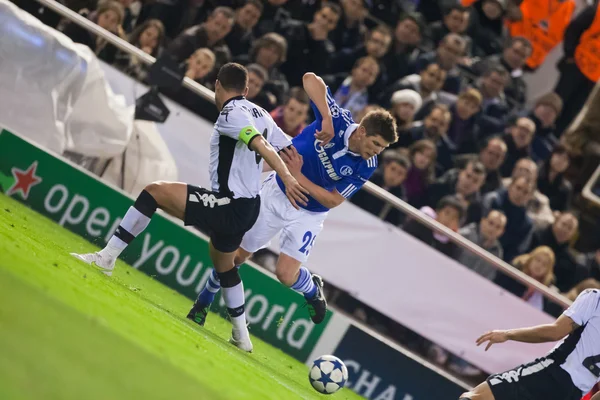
(346, 170)
(324, 158)
(329, 145)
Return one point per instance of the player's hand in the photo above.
(327, 131)
(295, 192)
(293, 160)
(492, 337)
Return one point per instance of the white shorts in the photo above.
(299, 228)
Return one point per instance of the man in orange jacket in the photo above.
(580, 66)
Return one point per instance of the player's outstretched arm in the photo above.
(317, 91)
(328, 199)
(537, 334)
(293, 190)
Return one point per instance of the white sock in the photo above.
(234, 300)
(134, 222)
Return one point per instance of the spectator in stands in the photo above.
(545, 112)
(427, 83)
(291, 117)
(492, 156)
(270, 51)
(551, 180)
(484, 234)
(310, 48)
(273, 12)
(241, 36)
(109, 15)
(405, 104)
(455, 20)
(487, 26)
(449, 212)
(148, 37)
(512, 202)
(450, 50)
(513, 58)
(461, 133)
(200, 64)
(434, 127)
(423, 154)
(390, 176)
(351, 29)
(558, 237)
(518, 141)
(351, 92)
(539, 265)
(257, 77)
(407, 36)
(376, 44)
(494, 107)
(463, 183)
(580, 66)
(209, 34)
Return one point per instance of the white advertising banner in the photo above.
(378, 263)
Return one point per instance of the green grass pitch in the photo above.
(69, 332)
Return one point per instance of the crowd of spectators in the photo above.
(470, 154)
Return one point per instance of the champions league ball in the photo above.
(328, 374)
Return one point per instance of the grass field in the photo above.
(69, 332)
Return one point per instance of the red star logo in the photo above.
(24, 180)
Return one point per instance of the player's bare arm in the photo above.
(294, 191)
(537, 334)
(317, 91)
(328, 199)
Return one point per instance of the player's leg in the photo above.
(481, 392)
(169, 196)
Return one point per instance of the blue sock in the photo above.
(211, 288)
(305, 284)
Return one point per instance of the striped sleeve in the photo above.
(348, 186)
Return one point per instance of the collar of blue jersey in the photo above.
(349, 131)
(233, 98)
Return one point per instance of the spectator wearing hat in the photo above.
(390, 176)
(486, 26)
(544, 114)
(241, 36)
(447, 55)
(408, 34)
(551, 180)
(291, 117)
(455, 20)
(518, 142)
(461, 132)
(351, 28)
(405, 104)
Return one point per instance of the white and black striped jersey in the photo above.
(579, 353)
(235, 170)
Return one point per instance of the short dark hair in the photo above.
(456, 38)
(334, 7)
(439, 106)
(256, 3)
(477, 167)
(258, 70)
(269, 39)
(491, 210)
(518, 39)
(495, 68)
(226, 11)
(298, 94)
(382, 123)
(452, 201)
(455, 7)
(384, 29)
(393, 156)
(415, 17)
(233, 77)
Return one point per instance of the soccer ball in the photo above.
(328, 374)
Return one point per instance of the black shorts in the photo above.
(542, 379)
(224, 219)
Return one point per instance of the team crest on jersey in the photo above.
(329, 145)
(346, 170)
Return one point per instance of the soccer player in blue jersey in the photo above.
(338, 156)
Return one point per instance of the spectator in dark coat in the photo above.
(389, 176)
(492, 156)
(456, 20)
(310, 48)
(512, 202)
(257, 78)
(518, 141)
(149, 37)
(448, 212)
(450, 50)
(558, 236)
(434, 127)
(423, 154)
(407, 36)
(551, 180)
(487, 27)
(241, 36)
(494, 108)
(513, 58)
(351, 29)
(462, 131)
(547, 108)
(273, 12)
(464, 183)
(210, 34)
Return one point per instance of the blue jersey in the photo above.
(332, 166)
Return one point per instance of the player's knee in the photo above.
(286, 276)
(241, 256)
(157, 190)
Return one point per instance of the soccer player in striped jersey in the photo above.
(568, 372)
(339, 156)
